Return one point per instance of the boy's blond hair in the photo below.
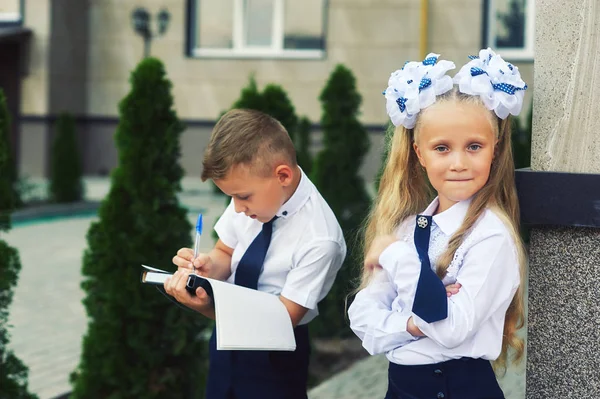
(247, 137)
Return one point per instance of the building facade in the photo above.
(81, 53)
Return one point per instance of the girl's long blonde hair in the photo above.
(404, 191)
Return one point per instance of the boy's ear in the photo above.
(418, 152)
(284, 174)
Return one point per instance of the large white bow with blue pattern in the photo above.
(414, 87)
(496, 81)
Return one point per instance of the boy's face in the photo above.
(256, 196)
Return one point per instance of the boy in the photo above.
(278, 235)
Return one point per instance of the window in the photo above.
(11, 12)
(257, 28)
(510, 28)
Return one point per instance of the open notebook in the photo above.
(246, 319)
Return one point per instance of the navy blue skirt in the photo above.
(464, 378)
(259, 374)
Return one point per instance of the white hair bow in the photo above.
(496, 81)
(414, 87)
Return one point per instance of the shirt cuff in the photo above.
(387, 337)
(304, 299)
(228, 240)
(420, 323)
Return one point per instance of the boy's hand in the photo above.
(452, 289)
(184, 260)
(377, 247)
(175, 286)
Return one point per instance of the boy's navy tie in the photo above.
(251, 264)
(431, 302)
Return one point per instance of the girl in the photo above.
(466, 239)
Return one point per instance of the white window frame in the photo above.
(12, 18)
(513, 54)
(240, 50)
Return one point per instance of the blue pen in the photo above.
(198, 236)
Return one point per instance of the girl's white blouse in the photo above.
(485, 264)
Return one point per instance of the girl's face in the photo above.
(455, 144)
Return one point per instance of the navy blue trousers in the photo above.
(259, 374)
(464, 378)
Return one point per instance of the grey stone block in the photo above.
(564, 308)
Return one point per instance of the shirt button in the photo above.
(441, 395)
(438, 372)
(284, 213)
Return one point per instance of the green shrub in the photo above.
(303, 145)
(65, 170)
(278, 105)
(138, 343)
(13, 373)
(9, 170)
(335, 173)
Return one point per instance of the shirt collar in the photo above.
(450, 220)
(298, 199)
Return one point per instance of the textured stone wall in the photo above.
(564, 276)
(566, 123)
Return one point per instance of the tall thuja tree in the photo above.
(7, 198)
(250, 97)
(13, 373)
(65, 171)
(279, 106)
(336, 174)
(273, 100)
(138, 343)
(302, 143)
(9, 169)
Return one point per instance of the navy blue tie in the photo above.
(251, 264)
(431, 302)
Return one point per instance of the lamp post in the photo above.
(140, 18)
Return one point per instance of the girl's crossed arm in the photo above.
(380, 313)
(489, 277)
(378, 316)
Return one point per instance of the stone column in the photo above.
(563, 354)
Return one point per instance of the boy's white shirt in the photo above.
(486, 264)
(307, 247)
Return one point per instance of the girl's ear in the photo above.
(418, 152)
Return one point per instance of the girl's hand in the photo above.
(185, 260)
(412, 328)
(377, 247)
(452, 289)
